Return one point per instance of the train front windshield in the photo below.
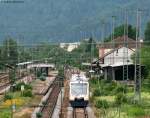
(78, 89)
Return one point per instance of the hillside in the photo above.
(61, 20)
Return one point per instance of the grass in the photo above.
(5, 113)
(135, 111)
(18, 100)
(126, 110)
(21, 102)
(108, 98)
(5, 110)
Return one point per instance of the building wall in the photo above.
(120, 55)
(69, 46)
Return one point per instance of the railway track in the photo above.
(48, 109)
(79, 113)
(4, 81)
(4, 86)
(4, 77)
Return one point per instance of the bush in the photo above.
(18, 86)
(44, 74)
(101, 92)
(104, 81)
(135, 111)
(12, 88)
(102, 104)
(92, 99)
(146, 85)
(43, 102)
(38, 73)
(26, 86)
(27, 93)
(39, 115)
(121, 89)
(96, 92)
(108, 88)
(42, 78)
(8, 97)
(132, 101)
(93, 81)
(120, 98)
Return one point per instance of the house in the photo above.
(118, 42)
(115, 58)
(113, 62)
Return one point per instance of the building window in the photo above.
(117, 52)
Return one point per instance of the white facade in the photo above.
(120, 55)
(69, 46)
(41, 66)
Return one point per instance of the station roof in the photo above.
(41, 65)
(112, 51)
(116, 64)
(24, 63)
(121, 64)
(119, 41)
(86, 64)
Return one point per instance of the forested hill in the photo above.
(61, 20)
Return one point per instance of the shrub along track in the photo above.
(47, 110)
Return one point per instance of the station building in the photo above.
(115, 58)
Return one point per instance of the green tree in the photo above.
(12, 76)
(24, 54)
(132, 32)
(147, 32)
(84, 52)
(119, 31)
(91, 47)
(9, 52)
(145, 56)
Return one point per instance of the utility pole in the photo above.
(112, 36)
(102, 38)
(125, 51)
(8, 46)
(112, 60)
(137, 76)
(102, 30)
(91, 43)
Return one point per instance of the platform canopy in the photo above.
(116, 64)
(24, 63)
(121, 64)
(41, 65)
(86, 64)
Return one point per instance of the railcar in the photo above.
(79, 90)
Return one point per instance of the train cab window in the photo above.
(78, 89)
